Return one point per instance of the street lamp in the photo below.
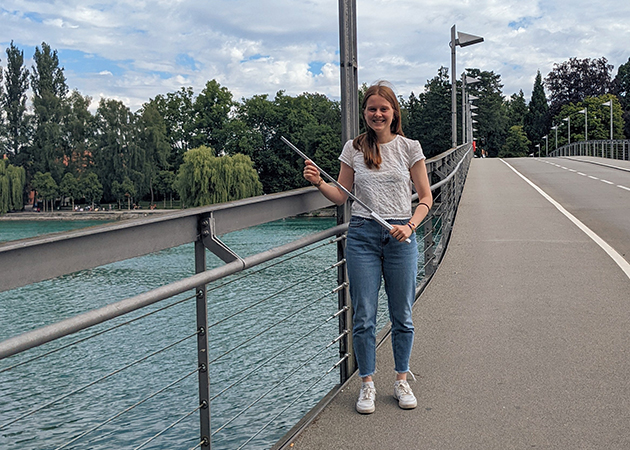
(463, 40)
(538, 147)
(555, 127)
(466, 104)
(610, 103)
(546, 138)
(585, 112)
(568, 120)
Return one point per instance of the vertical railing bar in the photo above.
(202, 345)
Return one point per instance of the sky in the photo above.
(133, 50)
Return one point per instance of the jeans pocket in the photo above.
(357, 222)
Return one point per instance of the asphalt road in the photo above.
(523, 334)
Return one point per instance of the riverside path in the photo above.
(523, 334)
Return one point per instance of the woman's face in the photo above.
(378, 114)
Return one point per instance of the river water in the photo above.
(303, 282)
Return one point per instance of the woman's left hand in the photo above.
(400, 232)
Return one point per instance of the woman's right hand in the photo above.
(311, 174)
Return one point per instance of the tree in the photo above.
(205, 179)
(177, 110)
(153, 144)
(212, 108)
(491, 117)
(116, 154)
(536, 123)
(164, 184)
(428, 116)
(13, 100)
(91, 188)
(69, 187)
(516, 143)
(12, 181)
(49, 93)
(122, 190)
(46, 187)
(79, 130)
(516, 109)
(621, 88)
(574, 80)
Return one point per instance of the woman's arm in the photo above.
(331, 192)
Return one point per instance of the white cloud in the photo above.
(262, 46)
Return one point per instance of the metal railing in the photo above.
(613, 149)
(199, 371)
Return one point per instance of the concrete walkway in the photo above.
(522, 339)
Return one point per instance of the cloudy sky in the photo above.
(132, 50)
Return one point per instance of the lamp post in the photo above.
(466, 104)
(546, 138)
(585, 112)
(463, 40)
(610, 103)
(538, 147)
(568, 120)
(555, 127)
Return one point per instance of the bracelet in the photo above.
(412, 225)
(319, 183)
(428, 208)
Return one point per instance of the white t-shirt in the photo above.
(386, 190)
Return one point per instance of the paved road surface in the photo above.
(522, 336)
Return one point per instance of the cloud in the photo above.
(134, 50)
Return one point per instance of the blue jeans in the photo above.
(371, 252)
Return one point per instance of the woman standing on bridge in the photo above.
(381, 165)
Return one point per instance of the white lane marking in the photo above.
(607, 182)
(619, 260)
(623, 187)
(580, 173)
(593, 178)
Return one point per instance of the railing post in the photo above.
(202, 345)
(349, 130)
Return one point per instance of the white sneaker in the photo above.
(365, 403)
(404, 395)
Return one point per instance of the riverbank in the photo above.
(117, 215)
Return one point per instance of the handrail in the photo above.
(613, 149)
(28, 260)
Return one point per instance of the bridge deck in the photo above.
(522, 338)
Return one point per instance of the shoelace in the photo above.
(367, 393)
(404, 388)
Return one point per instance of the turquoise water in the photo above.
(42, 381)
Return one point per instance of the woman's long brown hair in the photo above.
(368, 142)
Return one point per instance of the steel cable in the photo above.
(109, 375)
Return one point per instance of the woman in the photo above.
(381, 164)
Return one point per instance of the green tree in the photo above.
(69, 187)
(429, 115)
(12, 181)
(46, 188)
(536, 123)
(49, 104)
(126, 189)
(153, 144)
(177, 110)
(205, 179)
(13, 100)
(212, 108)
(164, 185)
(621, 88)
(79, 139)
(516, 108)
(516, 143)
(91, 188)
(116, 154)
(491, 117)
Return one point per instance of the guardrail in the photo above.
(237, 397)
(613, 149)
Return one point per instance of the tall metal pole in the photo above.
(349, 130)
(453, 90)
(202, 345)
